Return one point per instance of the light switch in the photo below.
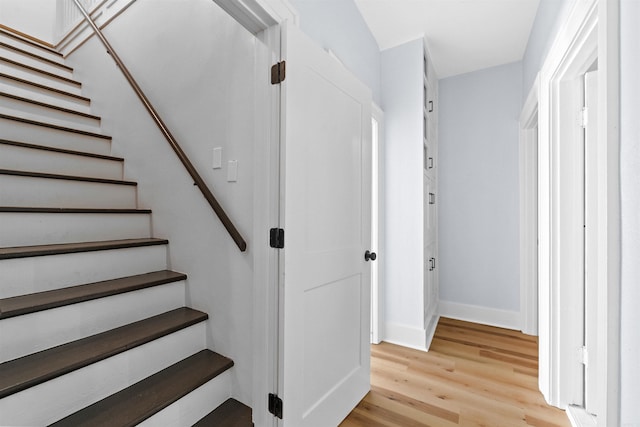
(217, 158)
(232, 171)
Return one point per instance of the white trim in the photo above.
(549, 305)
(477, 314)
(609, 214)
(431, 330)
(259, 15)
(406, 336)
(564, 60)
(578, 417)
(263, 18)
(266, 207)
(528, 153)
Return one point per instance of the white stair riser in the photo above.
(43, 95)
(195, 405)
(40, 135)
(35, 62)
(69, 393)
(50, 119)
(29, 48)
(30, 333)
(35, 228)
(35, 274)
(35, 160)
(28, 110)
(36, 77)
(62, 193)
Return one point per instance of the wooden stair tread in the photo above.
(68, 248)
(52, 126)
(36, 56)
(44, 87)
(230, 414)
(29, 42)
(51, 106)
(31, 303)
(59, 150)
(36, 368)
(65, 177)
(147, 397)
(73, 210)
(38, 70)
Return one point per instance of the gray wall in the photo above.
(630, 209)
(35, 17)
(550, 16)
(337, 25)
(478, 185)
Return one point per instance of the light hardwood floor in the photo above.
(473, 375)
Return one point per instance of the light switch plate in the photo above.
(216, 162)
(232, 171)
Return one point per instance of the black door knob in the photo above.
(370, 256)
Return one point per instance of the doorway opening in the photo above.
(577, 218)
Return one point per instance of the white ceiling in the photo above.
(462, 35)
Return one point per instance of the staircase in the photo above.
(93, 326)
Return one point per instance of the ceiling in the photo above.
(462, 35)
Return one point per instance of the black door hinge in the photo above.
(276, 238)
(275, 405)
(278, 72)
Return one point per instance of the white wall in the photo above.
(478, 191)
(337, 25)
(550, 16)
(402, 81)
(33, 17)
(197, 66)
(630, 208)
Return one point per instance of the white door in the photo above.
(590, 241)
(325, 213)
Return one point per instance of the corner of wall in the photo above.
(484, 315)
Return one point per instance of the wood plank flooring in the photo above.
(473, 375)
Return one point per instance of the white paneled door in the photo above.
(326, 215)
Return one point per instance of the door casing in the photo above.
(590, 32)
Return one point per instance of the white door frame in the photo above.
(592, 26)
(266, 216)
(377, 290)
(529, 211)
(264, 18)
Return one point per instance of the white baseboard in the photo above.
(580, 418)
(406, 336)
(431, 330)
(477, 314)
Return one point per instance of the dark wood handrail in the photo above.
(233, 231)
